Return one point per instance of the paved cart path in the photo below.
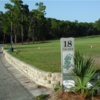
(10, 88)
(15, 86)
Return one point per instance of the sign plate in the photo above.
(67, 61)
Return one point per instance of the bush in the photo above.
(84, 73)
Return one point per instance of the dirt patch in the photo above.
(60, 95)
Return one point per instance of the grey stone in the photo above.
(10, 88)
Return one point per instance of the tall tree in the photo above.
(1, 26)
(97, 24)
(32, 26)
(37, 22)
(16, 17)
(24, 20)
(10, 19)
(5, 26)
(41, 20)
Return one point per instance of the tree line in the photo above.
(25, 25)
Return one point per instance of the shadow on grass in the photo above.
(38, 42)
(20, 46)
(93, 36)
(85, 37)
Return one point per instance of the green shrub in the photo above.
(84, 72)
(41, 97)
(57, 87)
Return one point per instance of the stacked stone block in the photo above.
(46, 79)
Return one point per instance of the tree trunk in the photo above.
(22, 33)
(33, 37)
(15, 38)
(4, 38)
(28, 35)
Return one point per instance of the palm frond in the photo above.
(83, 72)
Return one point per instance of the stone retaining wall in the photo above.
(46, 79)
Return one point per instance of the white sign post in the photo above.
(67, 62)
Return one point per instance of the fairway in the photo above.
(47, 55)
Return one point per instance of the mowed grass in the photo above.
(47, 55)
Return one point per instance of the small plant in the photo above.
(41, 97)
(57, 87)
(84, 72)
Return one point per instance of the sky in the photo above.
(81, 10)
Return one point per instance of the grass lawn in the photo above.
(47, 56)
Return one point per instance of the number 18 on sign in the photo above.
(67, 61)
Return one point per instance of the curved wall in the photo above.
(46, 79)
